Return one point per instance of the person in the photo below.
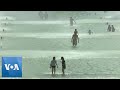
(6, 18)
(74, 39)
(113, 29)
(63, 65)
(95, 13)
(90, 32)
(46, 15)
(41, 15)
(71, 21)
(76, 31)
(3, 30)
(1, 38)
(109, 28)
(53, 65)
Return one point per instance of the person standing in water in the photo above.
(40, 15)
(74, 39)
(95, 13)
(3, 30)
(46, 15)
(113, 29)
(72, 21)
(63, 65)
(109, 28)
(6, 18)
(1, 37)
(90, 32)
(53, 65)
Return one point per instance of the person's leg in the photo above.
(109, 30)
(52, 70)
(71, 24)
(75, 42)
(63, 71)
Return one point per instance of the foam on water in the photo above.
(67, 22)
(8, 18)
(39, 22)
(108, 17)
(67, 54)
(59, 35)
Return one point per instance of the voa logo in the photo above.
(11, 66)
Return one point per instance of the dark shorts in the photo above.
(53, 66)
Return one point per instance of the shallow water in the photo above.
(96, 56)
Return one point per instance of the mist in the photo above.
(60, 15)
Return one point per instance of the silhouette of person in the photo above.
(46, 15)
(53, 65)
(71, 21)
(63, 65)
(90, 32)
(3, 30)
(74, 39)
(113, 29)
(109, 28)
(6, 18)
(95, 13)
(41, 15)
(1, 38)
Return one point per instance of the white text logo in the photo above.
(9, 66)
